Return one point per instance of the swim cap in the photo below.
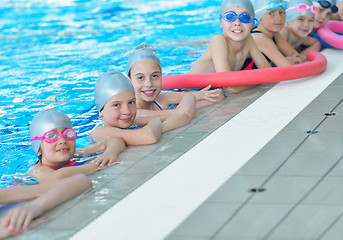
(238, 3)
(294, 13)
(326, 4)
(110, 84)
(262, 6)
(47, 120)
(332, 2)
(141, 52)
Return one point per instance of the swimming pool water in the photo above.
(53, 47)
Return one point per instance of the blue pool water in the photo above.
(53, 47)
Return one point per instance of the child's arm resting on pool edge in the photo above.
(44, 173)
(186, 111)
(111, 148)
(204, 97)
(148, 134)
(21, 193)
(311, 44)
(48, 196)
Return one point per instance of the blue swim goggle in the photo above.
(274, 5)
(327, 4)
(232, 16)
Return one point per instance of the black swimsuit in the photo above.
(257, 31)
(248, 64)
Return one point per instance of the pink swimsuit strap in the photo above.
(70, 163)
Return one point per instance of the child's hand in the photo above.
(20, 218)
(294, 59)
(210, 95)
(154, 128)
(104, 160)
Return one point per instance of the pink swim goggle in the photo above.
(52, 136)
(303, 7)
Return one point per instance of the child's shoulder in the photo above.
(218, 42)
(218, 37)
(284, 32)
(38, 169)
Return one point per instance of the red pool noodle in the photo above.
(328, 33)
(317, 64)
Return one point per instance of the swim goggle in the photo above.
(326, 4)
(232, 16)
(274, 5)
(52, 136)
(304, 7)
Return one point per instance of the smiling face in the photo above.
(119, 111)
(236, 30)
(57, 154)
(146, 78)
(274, 20)
(322, 16)
(301, 26)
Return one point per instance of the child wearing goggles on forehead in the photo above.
(299, 24)
(234, 49)
(323, 15)
(53, 142)
(271, 16)
(45, 196)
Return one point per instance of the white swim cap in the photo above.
(110, 84)
(141, 52)
(44, 121)
(293, 12)
(262, 6)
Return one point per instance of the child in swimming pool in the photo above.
(53, 141)
(232, 50)
(324, 13)
(45, 197)
(322, 16)
(115, 100)
(145, 72)
(271, 15)
(300, 22)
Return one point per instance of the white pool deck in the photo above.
(180, 190)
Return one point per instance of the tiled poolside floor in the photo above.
(290, 190)
(139, 164)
